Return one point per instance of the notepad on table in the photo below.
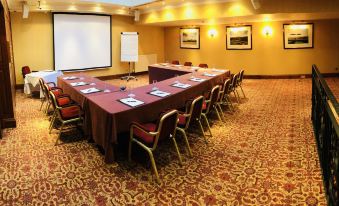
(131, 102)
(181, 85)
(209, 75)
(194, 79)
(90, 90)
(75, 84)
(159, 93)
(70, 78)
(218, 70)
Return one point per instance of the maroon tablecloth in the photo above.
(75, 92)
(107, 117)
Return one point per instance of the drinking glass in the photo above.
(154, 85)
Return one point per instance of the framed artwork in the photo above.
(298, 36)
(239, 37)
(190, 38)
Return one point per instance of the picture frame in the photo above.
(239, 37)
(298, 36)
(190, 38)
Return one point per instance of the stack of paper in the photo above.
(194, 79)
(131, 102)
(218, 70)
(159, 93)
(209, 75)
(90, 90)
(70, 78)
(75, 84)
(181, 85)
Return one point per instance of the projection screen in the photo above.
(81, 41)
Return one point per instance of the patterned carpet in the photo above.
(264, 154)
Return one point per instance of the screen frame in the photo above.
(93, 14)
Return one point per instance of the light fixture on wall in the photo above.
(212, 33)
(267, 31)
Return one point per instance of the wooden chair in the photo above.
(176, 62)
(148, 135)
(203, 65)
(69, 113)
(188, 64)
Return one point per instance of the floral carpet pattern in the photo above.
(263, 154)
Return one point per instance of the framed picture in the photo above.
(298, 36)
(239, 37)
(190, 38)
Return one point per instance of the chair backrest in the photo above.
(203, 65)
(25, 70)
(175, 62)
(241, 76)
(188, 64)
(196, 108)
(52, 97)
(235, 81)
(166, 125)
(214, 96)
(225, 88)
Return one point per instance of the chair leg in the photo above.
(130, 149)
(202, 130)
(236, 97)
(153, 165)
(47, 107)
(52, 122)
(186, 140)
(222, 112)
(42, 104)
(177, 149)
(57, 140)
(208, 124)
(242, 91)
(216, 110)
(230, 104)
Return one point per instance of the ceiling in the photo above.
(277, 10)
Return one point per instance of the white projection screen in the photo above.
(82, 41)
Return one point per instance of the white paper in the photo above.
(131, 102)
(70, 78)
(194, 79)
(90, 90)
(160, 93)
(218, 70)
(74, 84)
(181, 85)
(209, 75)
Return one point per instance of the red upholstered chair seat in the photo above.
(182, 120)
(150, 127)
(70, 112)
(63, 101)
(204, 106)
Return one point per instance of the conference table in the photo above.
(106, 116)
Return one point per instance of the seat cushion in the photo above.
(182, 120)
(150, 127)
(57, 92)
(204, 106)
(63, 101)
(70, 112)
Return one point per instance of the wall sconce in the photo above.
(212, 33)
(267, 31)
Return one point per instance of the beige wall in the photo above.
(33, 42)
(267, 57)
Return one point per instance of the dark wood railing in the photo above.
(325, 110)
